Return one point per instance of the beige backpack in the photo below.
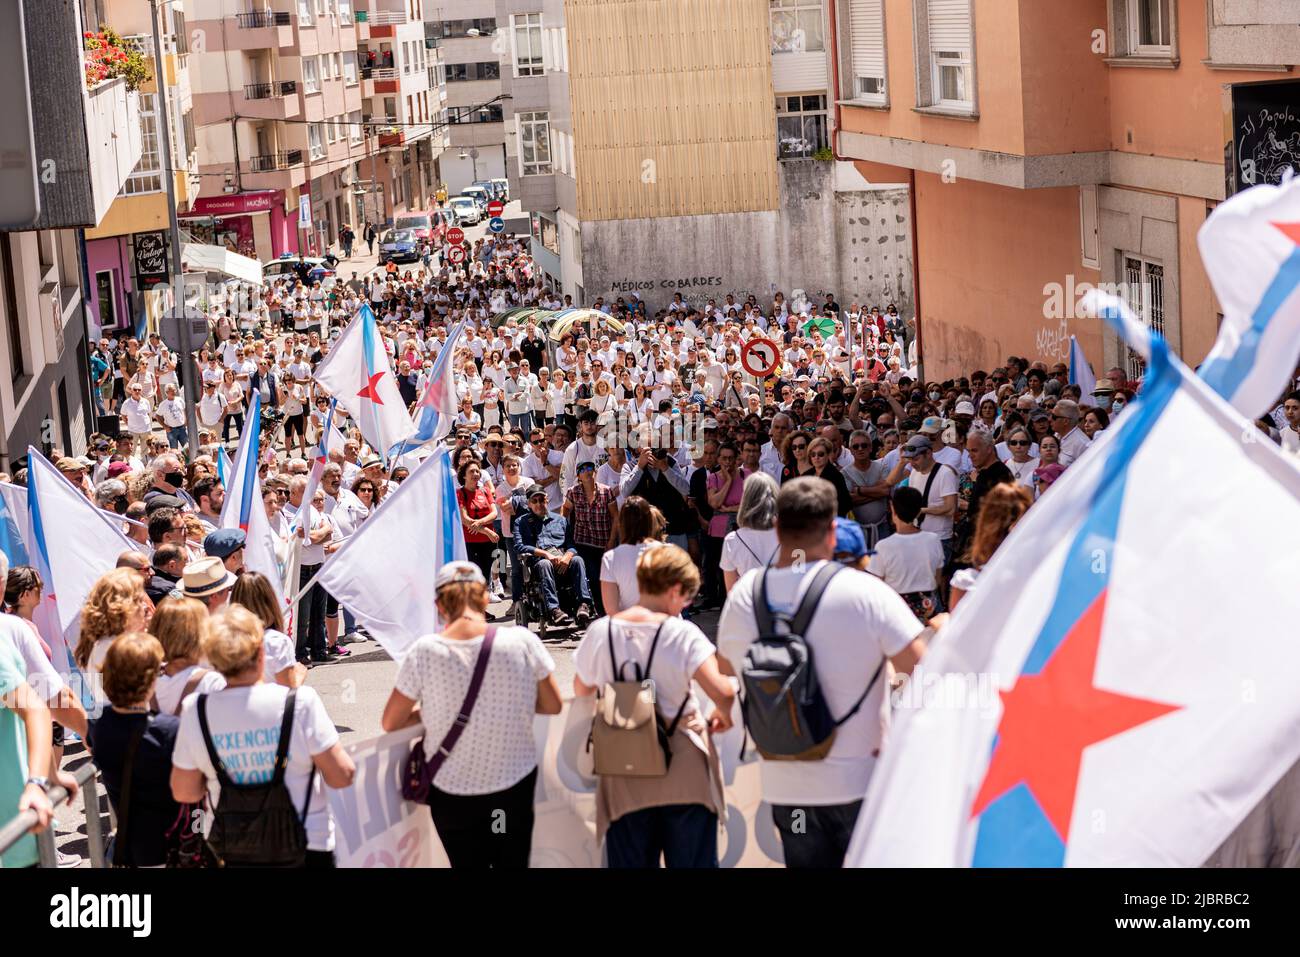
(628, 737)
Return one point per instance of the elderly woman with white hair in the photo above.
(753, 544)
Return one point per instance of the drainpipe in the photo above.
(916, 275)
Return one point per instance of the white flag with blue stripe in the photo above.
(437, 409)
(1080, 372)
(1251, 248)
(385, 571)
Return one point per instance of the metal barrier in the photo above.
(87, 777)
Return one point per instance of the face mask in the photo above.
(934, 396)
(1104, 403)
(1116, 405)
(176, 479)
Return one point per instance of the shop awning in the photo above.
(201, 258)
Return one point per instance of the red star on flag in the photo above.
(1048, 719)
(1290, 230)
(368, 390)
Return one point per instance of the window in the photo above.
(800, 125)
(535, 143)
(1149, 28)
(13, 321)
(304, 12)
(948, 26)
(483, 114)
(460, 28)
(1089, 236)
(529, 56)
(345, 11)
(462, 72)
(316, 140)
(406, 57)
(797, 26)
(867, 29)
(354, 119)
(336, 66)
(310, 75)
(1144, 290)
(350, 67)
(147, 176)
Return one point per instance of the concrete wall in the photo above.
(855, 244)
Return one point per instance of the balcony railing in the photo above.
(142, 43)
(260, 19)
(385, 73)
(269, 162)
(383, 18)
(263, 91)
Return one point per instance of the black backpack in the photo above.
(784, 709)
(257, 825)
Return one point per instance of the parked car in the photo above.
(419, 223)
(466, 210)
(307, 268)
(488, 187)
(479, 195)
(399, 246)
(503, 189)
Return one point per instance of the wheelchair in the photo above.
(531, 608)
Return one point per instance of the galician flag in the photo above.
(1080, 372)
(436, 411)
(357, 372)
(244, 508)
(1138, 702)
(385, 571)
(319, 459)
(1251, 248)
(73, 544)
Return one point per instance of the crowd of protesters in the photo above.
(629, 464)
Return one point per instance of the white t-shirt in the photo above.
(681, 650)
(169, 688)
(534, 470)
(859, 620)
(748, 548)
(139, 415)
(497, 749)
(618, 566)
(41, 674)
(907, 563)
(280, 654)
(245, 724)
(945, 483)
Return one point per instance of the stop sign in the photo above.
(496, 207)
(455, 235)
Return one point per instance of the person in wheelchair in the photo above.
(544, 544)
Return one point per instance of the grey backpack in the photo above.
(784, 709)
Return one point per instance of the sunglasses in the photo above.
(799, 447)
(860, 447)
(1017, 444)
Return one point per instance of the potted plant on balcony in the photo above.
(108, 57)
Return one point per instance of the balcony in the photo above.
(260, 19)
(260, 30)
(276, 100)
(384, 23)
(261, 91)
(113, 139)
(270, 162)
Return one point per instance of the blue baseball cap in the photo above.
(223, 543)
(849, 540)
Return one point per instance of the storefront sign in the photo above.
(150, 257)
(236, 204)
(1265, 134)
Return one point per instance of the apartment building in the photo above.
(1053, 145)
(471, 46)
(85, 144)
(702, 169)
(129, 252)
(310, 114)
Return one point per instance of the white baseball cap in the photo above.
(453, 572)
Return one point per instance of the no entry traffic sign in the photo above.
(456, 255)
(496, 207)
(760, 357)
(455, 235)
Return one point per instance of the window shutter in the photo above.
(950, 25)
(867, 27)
(1090, 238)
